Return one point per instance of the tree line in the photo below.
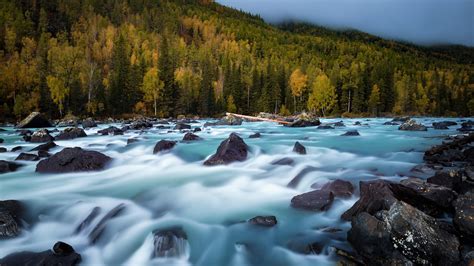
(166, 58)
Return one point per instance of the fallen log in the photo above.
(258, 118)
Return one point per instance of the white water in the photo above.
(209, 203)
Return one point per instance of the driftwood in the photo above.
(258, 118)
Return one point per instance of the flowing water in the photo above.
(209, 203)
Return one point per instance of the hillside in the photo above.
(167, 58)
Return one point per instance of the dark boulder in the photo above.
(71, 133)
(11, 212)
(325, 127)
(140, 125)
(297, 179)
(389, 123)
(190, 137)
(6, 166)
(132, 140)
(34, 120)
(45, 147)
(317, 200)
(351, 133)
(73, 160)
(401, 119)
(411, 125)
(110, 131)
(43, 154)
(98, 230)
(88, 220)
(283, 161)
(340, 188)
(255, 136)
(449, 152)
(226, 121)
(230, 150)
(268, 221)
(170, 242)
(443, 124)
(339, 124)
(466, 126)
(357, 123)
(298, 148)
(163, 145)
(181, 126)
(197, 129)
(27, 157)
(16, 148)
(464, 215)
(3, 149)
(41, 135)
(304, 123)
(89, 123)
(61, 255)
(1, 140)
(449, 178)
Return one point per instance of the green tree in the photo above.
(374, 100)
(152, 86)
(323, 95)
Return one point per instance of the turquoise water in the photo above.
(210, 203)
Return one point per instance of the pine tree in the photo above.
(119, 81)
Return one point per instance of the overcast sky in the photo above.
(419, 21)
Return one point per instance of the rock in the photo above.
(391, 123)
(67, 123)
(419, 237)
(226, 121)
(45, 147)
(443, 124)
(466, 126)
(140, 125)
(96, 233)
(89, 123)
(401, 119)
(43, 154)
(325, 127)
(230, 150)
(449, 152)
(88, 220)
(351, 133)
(11, 212)
(340, 188)
(317, 200)
(71, 133)
(41, 135)
(17, 148)
(298, 148)
(1, 140)
(27, 157)
(283, 161)
(411, 125)
(304, 123)
(451, 179)
(357, 123)
(197, 129)
(268, 221)
(132, 140)
(6, 166)
(170, 242)
(255, 136)
(73, 160)
(163, 145)
(339, 124)
(464, 215)
(190, 137)
(297, 179)
(2, 149)
(181, 126)
(375, 196)
(34, 120)
(62, 254)
(110, 131)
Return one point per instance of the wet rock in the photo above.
(41, 135)
(27, 157)
(401, 119)
(317, 200)
(98, 230)
(304, 123)
(181, 126)
(110, 131)
(449, 178)
(351, 133)
(298, 148)
(464, 215)
(230, 150)
(419, 237)
(34, 120)
(141, 125)
(226, 121)
(11, 212)
(466, 126)
(388, 123)
(268, 221)
(357, 123)
(6, 166)
(62, 254)
(255, 136)
(443, 124)
(73, 160)
(3, 149)
(449, 152)
(1, 140)
(132, 140)
(340, 188)
(411, 125)
(325, 127)
(297, 179)
(17, 148)
(88, 220)
(45, 147)
(170, 242)
(89, 123)
(339, 124)
(71, 133)
(283, 161)
(163, 145)
(191, 137)
(197, 129)
(43, 154)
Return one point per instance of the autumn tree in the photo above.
(374, 100)
(152, 86)
(298, 82)
(323, 95)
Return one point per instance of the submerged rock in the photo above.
(325, 127)
(170, 242)
(351, 133)
(191, 137)
(283, 161)
(88, 220)
(255, 136)
(62, 254)
(6, 166)
(268, 221)
(298, 148)
(297, 179)
(411, 125)
(317, 200)
(34, 120)
(443, 124)
(163, 145)
(17, 148)
(230, 150)
(71, 133)
(41, 135)
(45, 147)
(11, 212)
(73, 160)
(96, 233)
(27, 157)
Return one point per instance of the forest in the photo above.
(196, 57)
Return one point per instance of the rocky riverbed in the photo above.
(203, 192)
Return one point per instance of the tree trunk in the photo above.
(294, 107)
(155, 106)
(349, 102)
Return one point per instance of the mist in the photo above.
(424, 22)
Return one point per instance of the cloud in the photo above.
(423, 22)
